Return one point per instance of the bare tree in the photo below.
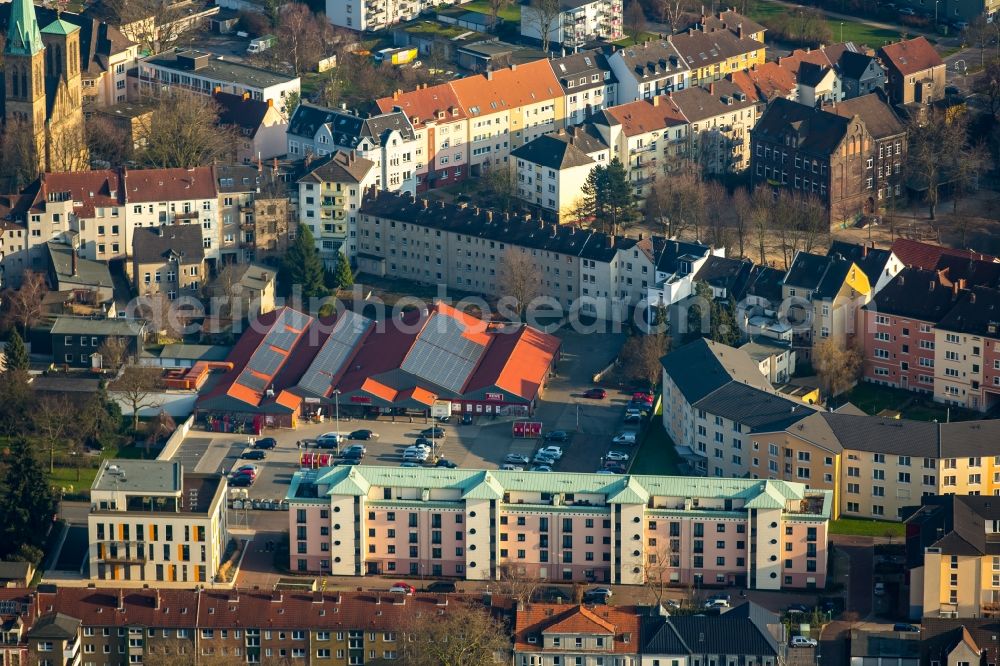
(635, 21)
(20, 162)
(516, 583)
(137, 386)
(640, 357)
(657, 568)
(302, 36)
(107, 141)
(543, 16)
(161, 428)
(52, 425)
(496, 6)
(183, 131)
(517, 279)
(760, 217)
(464, 635)
(742, 218)
(114, 352)
(838, 367)
(935, 149)
(500, 184)
(153, 24)
(24, 304)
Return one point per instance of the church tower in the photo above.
(65, 143)
(24, 70)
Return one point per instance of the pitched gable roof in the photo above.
(816, 131)
(879, 118)
(151, 185)
(914, 292)
(339, 167)
(911, 56)
(559, 150)
(765, 81)
(241, 111)
(926, 255)
(101, 188)
(151, 245)
(508, 88)
(698, 103)
(616, 621)
(702, 367)
(645, 115)
(701, 49)
(425, 105)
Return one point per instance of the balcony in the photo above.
(187, 216)
(991, 609)
(125, 552)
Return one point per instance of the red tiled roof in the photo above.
(793, 61)
(927, 256)
(516, 362)
(538, 619)
(425, 104)
(911, 56)
(504, 89)
(144, 185)
(647, 115)
(90, 189)
(765, 82)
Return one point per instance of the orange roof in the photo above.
(539, 619)
(424, 104)
(475, 328)
(528, 363)
(912, 56)
(647, 115)
(289, 400)
(169, 184)
(378, 390)
(799, 56)
(417, 394)
(765, 82)
(504, 89)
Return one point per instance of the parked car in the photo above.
(879, 589)
(627, 437)
(416, 455)
(952, 90)
(516, 458)
(249, 467)
(241, 481)
(615, 466)
(556, 436)
(410, 463)
(466, 419)
(605, 592)
(633, 416)
(444, 462)
(616, 456)
(902, 626)
(595, 394)
(639, 406)
(254, 454)
(552, 451)
(249, 473)
(444, 419)
(605, 471)
(541, 468)
(797, 609)
(639, 396)
(802, 641)
(507, 467)
(907, 11)
(402, 588)
(423, 441)
(363, 435)
(348, 461)
(960, 25)
(716, 603)
(442, 587)
(329, 440)
(265, 443)
(435, 432)
(355, 450)
(541, 459)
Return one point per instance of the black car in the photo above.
(902, 626)
(255, 454)
(423, 441)
(363, 435)
(594, 598)
(265, 443)
(444, 462)
(442, 587)
(241, 481)
(437, 433)
(557, 436)
(466, 419)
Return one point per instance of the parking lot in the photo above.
(590, 423)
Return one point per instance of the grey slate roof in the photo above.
(814, 131)
(823, 276)
(739, 631)
(727, 273)
(560, 150)
(876, 113)
(760, 410)
(854, 65)
(95, 273)
(765, 282)
(702, 367)
(339, 167)
(955, 524)
(149, 247)
(871, 260)
(56, 626)
(348, 130)
(976, 312)
(910, 294)
(811, 74)
(573, 67)
(656, 58)
(86, 326)
(882, 435)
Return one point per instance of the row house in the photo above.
(255, 219)
(259, 127)
(648, 70)
(967, 351)
(330, 195)
(464, 247)
(552, 635)
(472, 524)
(713, 53)
(119, 626)
(388, 140)
(13, 253)
(720, 116)
(441, 129)
(168, 260)
(576, 24)
(588, 84)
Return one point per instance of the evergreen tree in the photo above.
(15, 353)
(302, 267)
(607, 197)
(27, 503)
(342, 274)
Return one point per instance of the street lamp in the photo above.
(841, 32)
(336, 402)
(936, 3)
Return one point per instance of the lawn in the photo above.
(852, 31)
(872, 398)
(65, 477)
(628, 41)
(656, 454)
(511, 13)
(862, 527)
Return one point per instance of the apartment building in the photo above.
(953, 557)
(967, 351)
(825, 296)
(441, 130)
(13, 252)
(552, 170)
(579, 22)
(258, 124)
(205, 74)
(676, 265)
(884, 167)
(168, 260)
(254, 213)
(151, 521)
(588, 84)
(712, 53)
(77, 340)
(556, 526)
(330, 196)
(57, 635)
(879, 265)
(387, 140)
(720, 116)
(648, 70)
(369, 15)
(554, 634)
(916, 73)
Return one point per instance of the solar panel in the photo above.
(282, 338)
(442, 355)
(265, 361)
(296, 319)
(247, 379)
(345, 336)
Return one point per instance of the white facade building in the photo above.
(578, 22)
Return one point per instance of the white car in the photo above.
(551, 451)
(617, 456)
(413, 453)
(716, 603)
(329, 439)
(516, 459)
(802, 641)
(507, 467)
(627, 437)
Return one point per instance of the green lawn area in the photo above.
(628, 41)
(862, 527)
(853, 31)
(873, 398)
(66, 477)
(656, 453)
(512, 12)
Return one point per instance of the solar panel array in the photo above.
(345, 336)
(442, 355)
(265, 361)
(247, 379)
(279, 336)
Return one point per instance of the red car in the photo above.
(246, 472)
(402, 588)
(596, 394)
(642, 397)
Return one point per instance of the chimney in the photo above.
(972, 298)
(961, 283)
(246, 96)
(864, 250)
(739, 30)
(161, 231)
(425, 203)
(156, 598)
(711, 88)
(489, 216)
(513, 66)
(932, 285)
(656, 100)
(489, 75)
(954, 288)
(396, 94)
(73, 260)
(121, 599)
(611, 241)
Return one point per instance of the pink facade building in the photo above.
(474, 524)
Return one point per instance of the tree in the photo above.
(635, 20)
(607, 197)
(183, 131)
(52, 427)
(838, 367)
(760, 218)
(161, 428)
(107, 141)
(965, 170)
(27, 504)
(517, 280)
(496, 6)
(934, 149)
(137, 386)
(342, 275)
(302, 36)
(640, 357)
(743, 218)
(989, 83)
(24, 304)
(681, 200)
(152, 24)
(255, 24)
(99, 420)
(15, 353)
(19, 165)
(543, 15)
(465, 635)
(516, 583)
(301, 267)
(16, 400)
(114, 352)
(500, 185)
(657, 568)
(722, 326)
